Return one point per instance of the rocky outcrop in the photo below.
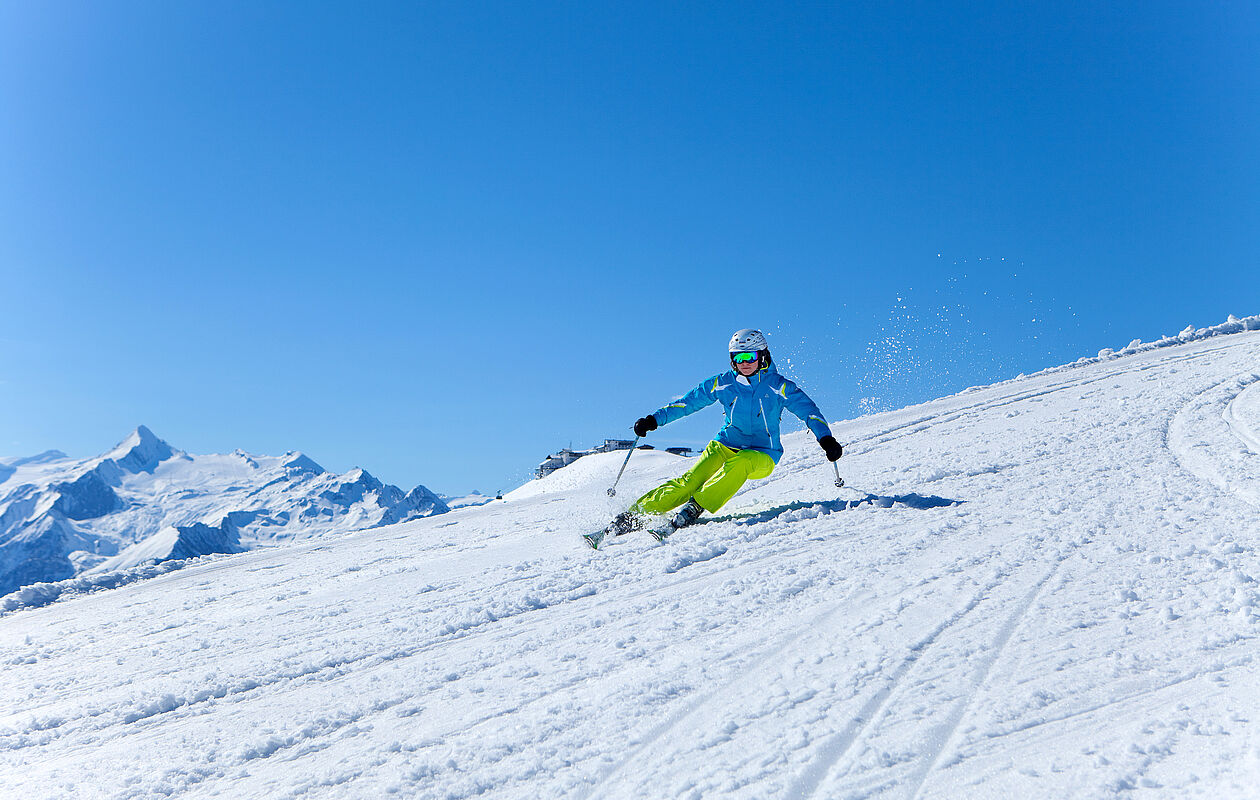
(38, 552)
(87, 497)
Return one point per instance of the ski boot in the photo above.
(685, 516)
(624, 523)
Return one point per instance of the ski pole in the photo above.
(612, 490)
(839, 480)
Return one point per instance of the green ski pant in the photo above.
(714, 479)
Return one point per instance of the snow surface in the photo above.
(1044, 588)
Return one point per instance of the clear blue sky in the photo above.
(439, 240)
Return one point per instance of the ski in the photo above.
(594, 540)
(662, 533)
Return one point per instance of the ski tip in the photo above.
(592, 540)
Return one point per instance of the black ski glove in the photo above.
(645, 425)
(832, 447)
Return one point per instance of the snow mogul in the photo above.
(754, 395)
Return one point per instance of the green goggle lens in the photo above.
(743, 358)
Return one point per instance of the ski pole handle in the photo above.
(612, 490)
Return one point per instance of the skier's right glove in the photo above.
(644, 425)
(831, 447)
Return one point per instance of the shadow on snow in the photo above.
(823, 507)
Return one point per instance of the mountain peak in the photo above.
(298, 462)
(46, 457)
(140, 435)
(141, 451)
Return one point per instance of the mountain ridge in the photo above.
(144, 500)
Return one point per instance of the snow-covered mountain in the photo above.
(1045, 588)
(145, 501)
(463, 501)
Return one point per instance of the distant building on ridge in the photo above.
(567, 456)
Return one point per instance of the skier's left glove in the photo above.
(831, 447)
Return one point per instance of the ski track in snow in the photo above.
(1044, 588)
(714, 696)
(1212, 436)
(1243, 412)
(943, 735)
(835, 749)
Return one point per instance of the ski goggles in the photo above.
(743, 358)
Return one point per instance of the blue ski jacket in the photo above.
(754, 406)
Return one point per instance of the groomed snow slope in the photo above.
(1044, 588)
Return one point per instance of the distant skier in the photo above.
(754, 395)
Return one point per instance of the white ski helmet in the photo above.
(748, 340)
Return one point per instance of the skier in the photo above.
(754, 395)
